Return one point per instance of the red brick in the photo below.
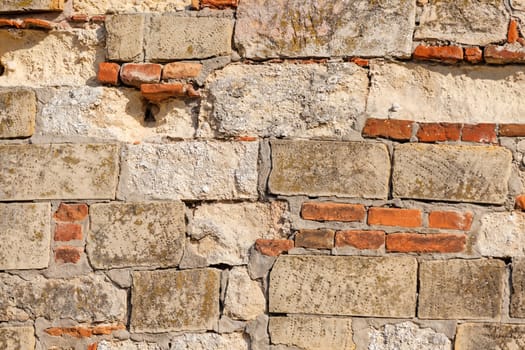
(329, 211)
(394, 217)
(181, 70)
(273, 247)
(84, 332)
(67, 232)
(67, 254)
(450, 220)
(79, 18)
(136, 74)
(360, 61)
(93, 346)
(360, 239)
(520, 202)
(10, 23)
(513, 34)
(71, 212)
(107, 329)
(433, 132)
(108, 73)
(425, 243)
(219, 4)
(512, 130)
(400, 130)
(317, 239)
(446, 54)
(484, 133)
(246, 138)
(504, 54)
(473, 54)
(160, 92)
(35, 23)
(98, 19)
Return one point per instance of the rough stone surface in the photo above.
(460, 21)
(346, 169)
(517, 298)
(191, 37)
(311, 332)
(125, 37)
(31, 5)
(461, 289)
(96, 7)
(209, 341)
(189, 170)
(136, 234)
(127, 345)
(17, 113)
(471, 336)
(223, 233)
(502, 234)
(170, 300)
(24, 235)
(407, 336)
(89, 298)
(244, 297)
(306, 100)
(273, 28)
(342, 285)
(19, 338)
(62, 171)
(476, 174)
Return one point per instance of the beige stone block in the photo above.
(502, 234)
(210, 341)
(244, 298)
(31, 5)
(125, 37)
(407, 336)
(58, 171)
(477, 174)
(19, 338)
(17, 113)
(475, 336)
(327, 285)
(517, 298)
(96, 7)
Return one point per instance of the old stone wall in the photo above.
(262, 174)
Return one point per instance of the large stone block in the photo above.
(96, 7)
(189, 170)
(58, 171)
(461, 289)
(31, 5)
(17, 113)
(305, 100)
(19, 338)
(324, 168)
(276, 28)
(244, 298)
(125, 37)
(475, 336)
(407, 335)
(327, 285)
(477, 174)
(148, 234)
(210, 341)
(517, 298)
(170, 300)
(24, 235)
(502, 234)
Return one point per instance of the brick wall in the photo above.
(262, 175)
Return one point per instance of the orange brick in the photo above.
(360, 61)
(513, 34)
(4, 22)
(360, 239)
(447, 54)
(433, 132)
(136, 74)
(520, 202)
(107, 329)
(108, 73)
(67, 232)
(219, 4)
(484, 133)
(98, 19)
(512, 130)
(329, 211)
(181, 70)
(79, 18)
(93, 346)
(71, 212)
(160, 92)
(317, 239)
(67, 254)
(273, 247)
(425, 243)
(35, 23)
(504, 54)
(394, 217)
(473, 54)
(400, 130)
(450, 220)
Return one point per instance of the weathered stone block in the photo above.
(270, 28)
(62, 171)
(210, 341)
(475, 336)
(17, 113)
(96, 7)
(517, 298)
(24, 235)
(343, 286)
(148, 234)
(170, 300)
(190, 37)
(476, 174)
(244, 298)
(407, 335)
(19, 338)
(31, 5)
(317, 168)
(308, 100)
(189, 170)
(461, 289)
(502, 234)
(311, 332)
(125, 37)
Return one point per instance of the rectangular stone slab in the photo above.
(476, 336)
(477, 174)
(517, 298)
(7, 6)
(328, 168)
(502, 234)
(17, 113)
(328, 285)
(19, 338)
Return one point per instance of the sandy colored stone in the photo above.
(312, 332)
(148, 234)
(125, 34)
(17, 113)
(210, 341)
(517, 298)
(475, 336)
(31, 5)
(477, 174)
(465, 22)
(189, 170)
(461, 289)
(24, 235)
(276, 28)
(327, 168)
(407, 336)
(309, 100)
(171, 300)
(96, 7)
(62, 171)
(190, 37)
(502, 234)
(127, 345)
(327, 285)
(19, 338)
(244, 298)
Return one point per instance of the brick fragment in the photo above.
(446, 54)
(35, 23)
(65, 232)
(108, 73)
(394, 217)
(450, 220)
(136, 74)
(360, 239)
(84, 332)
(98, 19)
(361, 62)
(327, 211)
(483, 133)
(425, 243)
(317, 239)
(181, 70)
(93, 346)
(434, 132)
(71, 212)
(512, 130)
(160, 92)
(513, 33)
(82, 18)
(273, 247)
(219, 4)
(504, 54)
(400, 130)
(520, 202)
(67, 254)
(473, 54)
(4, 22)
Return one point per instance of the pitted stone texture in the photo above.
(190, 37)
(24, 235)
(17, 113)
(342, 285)
(62, 171)
(461, 289)
(170, 300)
(148, 234)
(125, 37)
(311, 332)
(210, 341)
(244, 298)
(446, 93)
(517, 298)
(502, 234)
(475, 336)
(276, 28)
(305, 100)
(317, 168)
(189, 170)
(466, 22)
(96, 7)
(17, 338)
(31, 5)
(90, 298)
(223, 233)
(477, 174)
(127, 345)
(407, 336)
